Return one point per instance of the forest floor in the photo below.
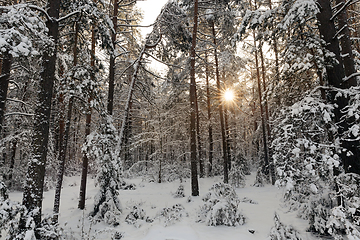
(153, 197)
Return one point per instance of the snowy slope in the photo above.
(153, 197)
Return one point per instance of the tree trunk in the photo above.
(33, 190)
(267, 119)
(227, 134)
(221, 113)
(201, 160)
(82, 194)
(12, 161)
(64, 136)
(262, 113)
(335, 76)
(211, 143)
(194, 177)
(110, 105)
(85, 161)
(4, 84)
(345, 41)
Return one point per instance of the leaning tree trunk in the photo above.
(221, 112)
(4, 84)
(64, 130)
(33, 190)
(136, 66)
(194, 177)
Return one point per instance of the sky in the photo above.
(151, 9)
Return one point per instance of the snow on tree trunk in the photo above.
(194, 177)
(4, 84)
(33, 190)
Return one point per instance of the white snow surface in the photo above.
(153, 197)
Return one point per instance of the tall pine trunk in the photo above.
(110, 105)
(221, 112)
(64, 130)
(345, 41)
(84, 172)
(211, 143)
(200, 153)
(335, 75)
(33, 190)
(267, 118)
(194, 177)
(4, 84)
(262, 112)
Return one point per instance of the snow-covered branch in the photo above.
(16, 100)
(351, 76)
(68, 16)
(168, 64)
(345, 5)
(43, 11)
(126, 5)
(19, 113)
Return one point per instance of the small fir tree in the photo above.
(101, 147)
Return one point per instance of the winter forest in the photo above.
(230, 119)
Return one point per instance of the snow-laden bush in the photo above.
(136, 216)
(305, 158)
(243, 163)
(345, 219)
(260, 178)
(179, 192)
(237, 177)
(221, 207)
(283, 232)
(172, 214)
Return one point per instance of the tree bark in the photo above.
(110, 105)
(211, 143)
(64, 130)
(194, 177)
(227, 134)
(262, 113)
(85, 165)
(335, 76)
(345, 41)
(33, 190)
(200, 155)
(221, 112)
(267, 119)
(4, 85)
(84, 172)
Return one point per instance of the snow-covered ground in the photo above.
(153, 197)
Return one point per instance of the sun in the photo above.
(229, 95)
